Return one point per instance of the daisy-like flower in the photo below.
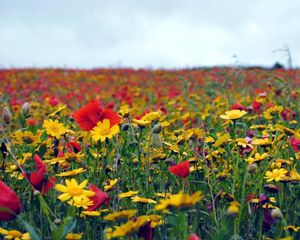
(128, 194)
(142, 200)
(77, 195)
(233, 114)
(122, 214)
(179, 200)
(14, 234)
(276, 174)
(54, 128)
(111, 184)
(26, 137)
(74, 236)
(71, 172)
(104, 130)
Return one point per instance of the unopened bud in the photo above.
(156, 141)
(25, 109)
(276, 213)
(252, 168)
(6, 115)
(36, 192)
(157, 128)
(57, 221)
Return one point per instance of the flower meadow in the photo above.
(150, 154)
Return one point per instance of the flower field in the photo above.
(150, 154)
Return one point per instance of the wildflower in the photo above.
(26, 137)
(276, 174)
(261, 142)
(292, 228)
(39, 179)
(181, 170)
(295, 144)
(142, 200)
(127, 194)
(89, 115)
(221, 139)
(71, 172)
(98, 199)
(10, 205)
(14, 234)
(179, 200)
(257, 158)
(193, 236)
(129, 227)
(54, 128)
(270, 112)
(111, 184)
(233, 209)
(238, 106)
(104, 130)
(73, 236)
(122, 214)
(233, 114)
(78, 195)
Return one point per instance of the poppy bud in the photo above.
(10, 205)
(125, 127)
(25, 109)
(6, 115)
(276, 213)
(252, 168)
(157, 128)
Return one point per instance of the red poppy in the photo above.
(73, 147)
(238, 106)
(39, 179)
(193, 236)
(295, 144)
(88, 116)
(32, 122)
(112, 116)
(10, 205)
(99, 198)
(181, 170)
(256, 106)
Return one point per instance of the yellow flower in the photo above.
(103, 130)
(233, 114)
(74, 236)
(54, 128)
(179, 200)
(270, 112)
(128, 194)
(90, 213)
(78, 196)
(292, 228)
(71, 173)
(261, 142)
(122, 214)
(233, 209)
(128, 227)
(257, 158)
(142, 200)
(14, 234)
(276, 174)
(221, 139)
(111, 184)
(26, 137)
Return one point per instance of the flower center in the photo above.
(27, 140)
(14, 233)
(105, 131)
(75, 191)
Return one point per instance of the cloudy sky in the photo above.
(154, 33)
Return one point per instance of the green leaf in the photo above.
(33, 234)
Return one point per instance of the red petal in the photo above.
(112, 116)
(182, 169)
(99, 198)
